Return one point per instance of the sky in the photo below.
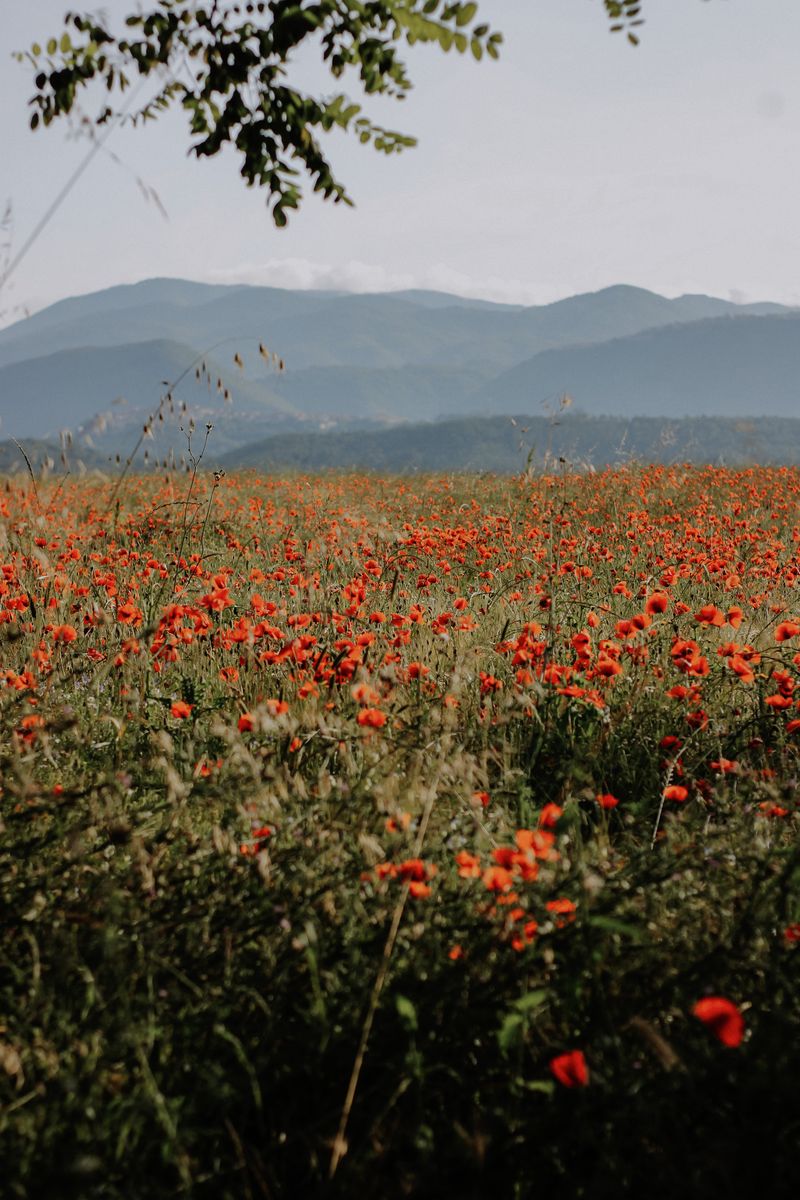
(573, 163)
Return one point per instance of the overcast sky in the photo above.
(575, 162)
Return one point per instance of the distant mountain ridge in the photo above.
(511, 445)
(725, 366)
(385, 357)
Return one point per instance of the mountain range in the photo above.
(101, 365)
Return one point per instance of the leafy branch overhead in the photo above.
(229, 67)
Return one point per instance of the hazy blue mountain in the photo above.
(157, 309)
(390, 394)
(388, 357)
(505, 445)
(447, 300)
(66, 390)
(337, 329)
(509, 445)
(388, 330)
(735, 367)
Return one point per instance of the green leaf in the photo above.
(52, 46)
(65, 45)
(509, 1035)
(466, 13)
(612, 925)
(406, 1012)
(545, 1086)
(36, 49)
(531, 1000)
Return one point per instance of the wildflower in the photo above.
(413, 869)
(180, 709)
(741, 667)
(606, 666)
(710, 615)
(523, 938)
(773, 810)
(607, 800)
(722, 1018)
(129, 614)
(29, 727)
(64, 634)
(570, 1069)
(563, 910)
(217, 600)
(550, 816)
(247, 723)
(677, 792)
(497, 879)
(371, 718)
(539, 842)
(469, 865)
(656, 603)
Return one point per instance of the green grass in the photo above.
(178, 1017)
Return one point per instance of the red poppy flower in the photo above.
(372, 718)
(64, 633)
(676, 792)
(657, 603)
(607, 800)
(570, 1069)
(550, 815)
(722, 1018)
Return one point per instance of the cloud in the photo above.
(357, 276)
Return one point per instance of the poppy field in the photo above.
(400, 837)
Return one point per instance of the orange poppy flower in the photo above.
(371, 718)
(676, 791)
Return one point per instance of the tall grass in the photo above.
(335, 811)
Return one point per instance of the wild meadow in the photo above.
(393, 837)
